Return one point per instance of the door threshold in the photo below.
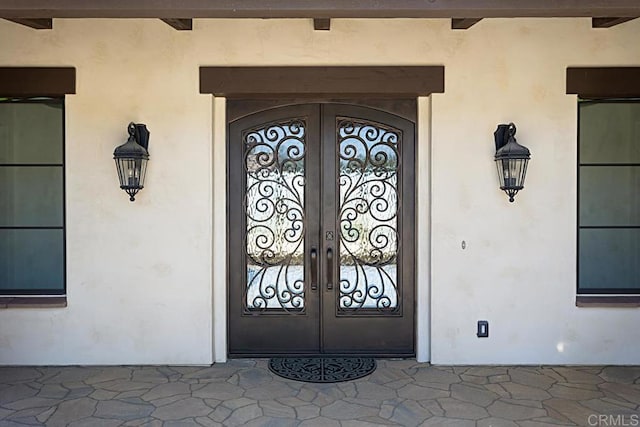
(392, 356)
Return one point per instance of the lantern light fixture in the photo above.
(511, 160)
(131, 159)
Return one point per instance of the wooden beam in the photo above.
(37, 81)
(316, 9)
(463, 23)
(35, 23)
(179, 24)
(604, 82)
(305, 82)
(608, 22)
(322, 24)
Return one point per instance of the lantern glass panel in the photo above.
(503, 170)
(131, 172)
(521, 171)
(511, 172)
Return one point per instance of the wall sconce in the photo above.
(131, 159)
(511, 159)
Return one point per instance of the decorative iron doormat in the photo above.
(322, 369)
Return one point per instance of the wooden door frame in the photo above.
(427, 80)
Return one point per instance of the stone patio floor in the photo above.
(246, 393)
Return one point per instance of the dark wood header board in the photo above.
(303, 82)
(604, 82)
(37, 81)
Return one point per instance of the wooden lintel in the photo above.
(322, 24)
(305, 82)
(35, 23)
(316, 9)
(463, 23)
(609, 22)
(604, 82)
(179, 24)
(37, 81)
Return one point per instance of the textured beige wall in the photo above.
(139, 274)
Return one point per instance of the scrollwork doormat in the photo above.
(322, 369)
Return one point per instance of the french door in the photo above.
(321, 231)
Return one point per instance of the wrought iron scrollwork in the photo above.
(369, 206)
(275, 223)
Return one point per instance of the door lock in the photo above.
(328, 235)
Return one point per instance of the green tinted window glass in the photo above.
(32, 234)
(31, 196)
(609, 259)
(32, 260)
(609, 197)
(609, 132)
(31, 132)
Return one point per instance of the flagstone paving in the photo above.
(246, 393)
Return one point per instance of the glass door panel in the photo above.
(274, 205)
(368, 212)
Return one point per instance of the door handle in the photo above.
(314, 269)
(329, 269)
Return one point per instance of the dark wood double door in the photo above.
(321, 230)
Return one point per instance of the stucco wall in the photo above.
(140, 274)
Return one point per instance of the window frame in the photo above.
(44, 291)
(598, 82)
(607, 292)
(26, 82)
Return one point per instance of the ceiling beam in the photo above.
(322, 24)
(179, 24)
(36, 23)
(463, 23)
(317, 8)
(608, 22)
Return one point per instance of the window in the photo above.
(609, 197)
(32, 214)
